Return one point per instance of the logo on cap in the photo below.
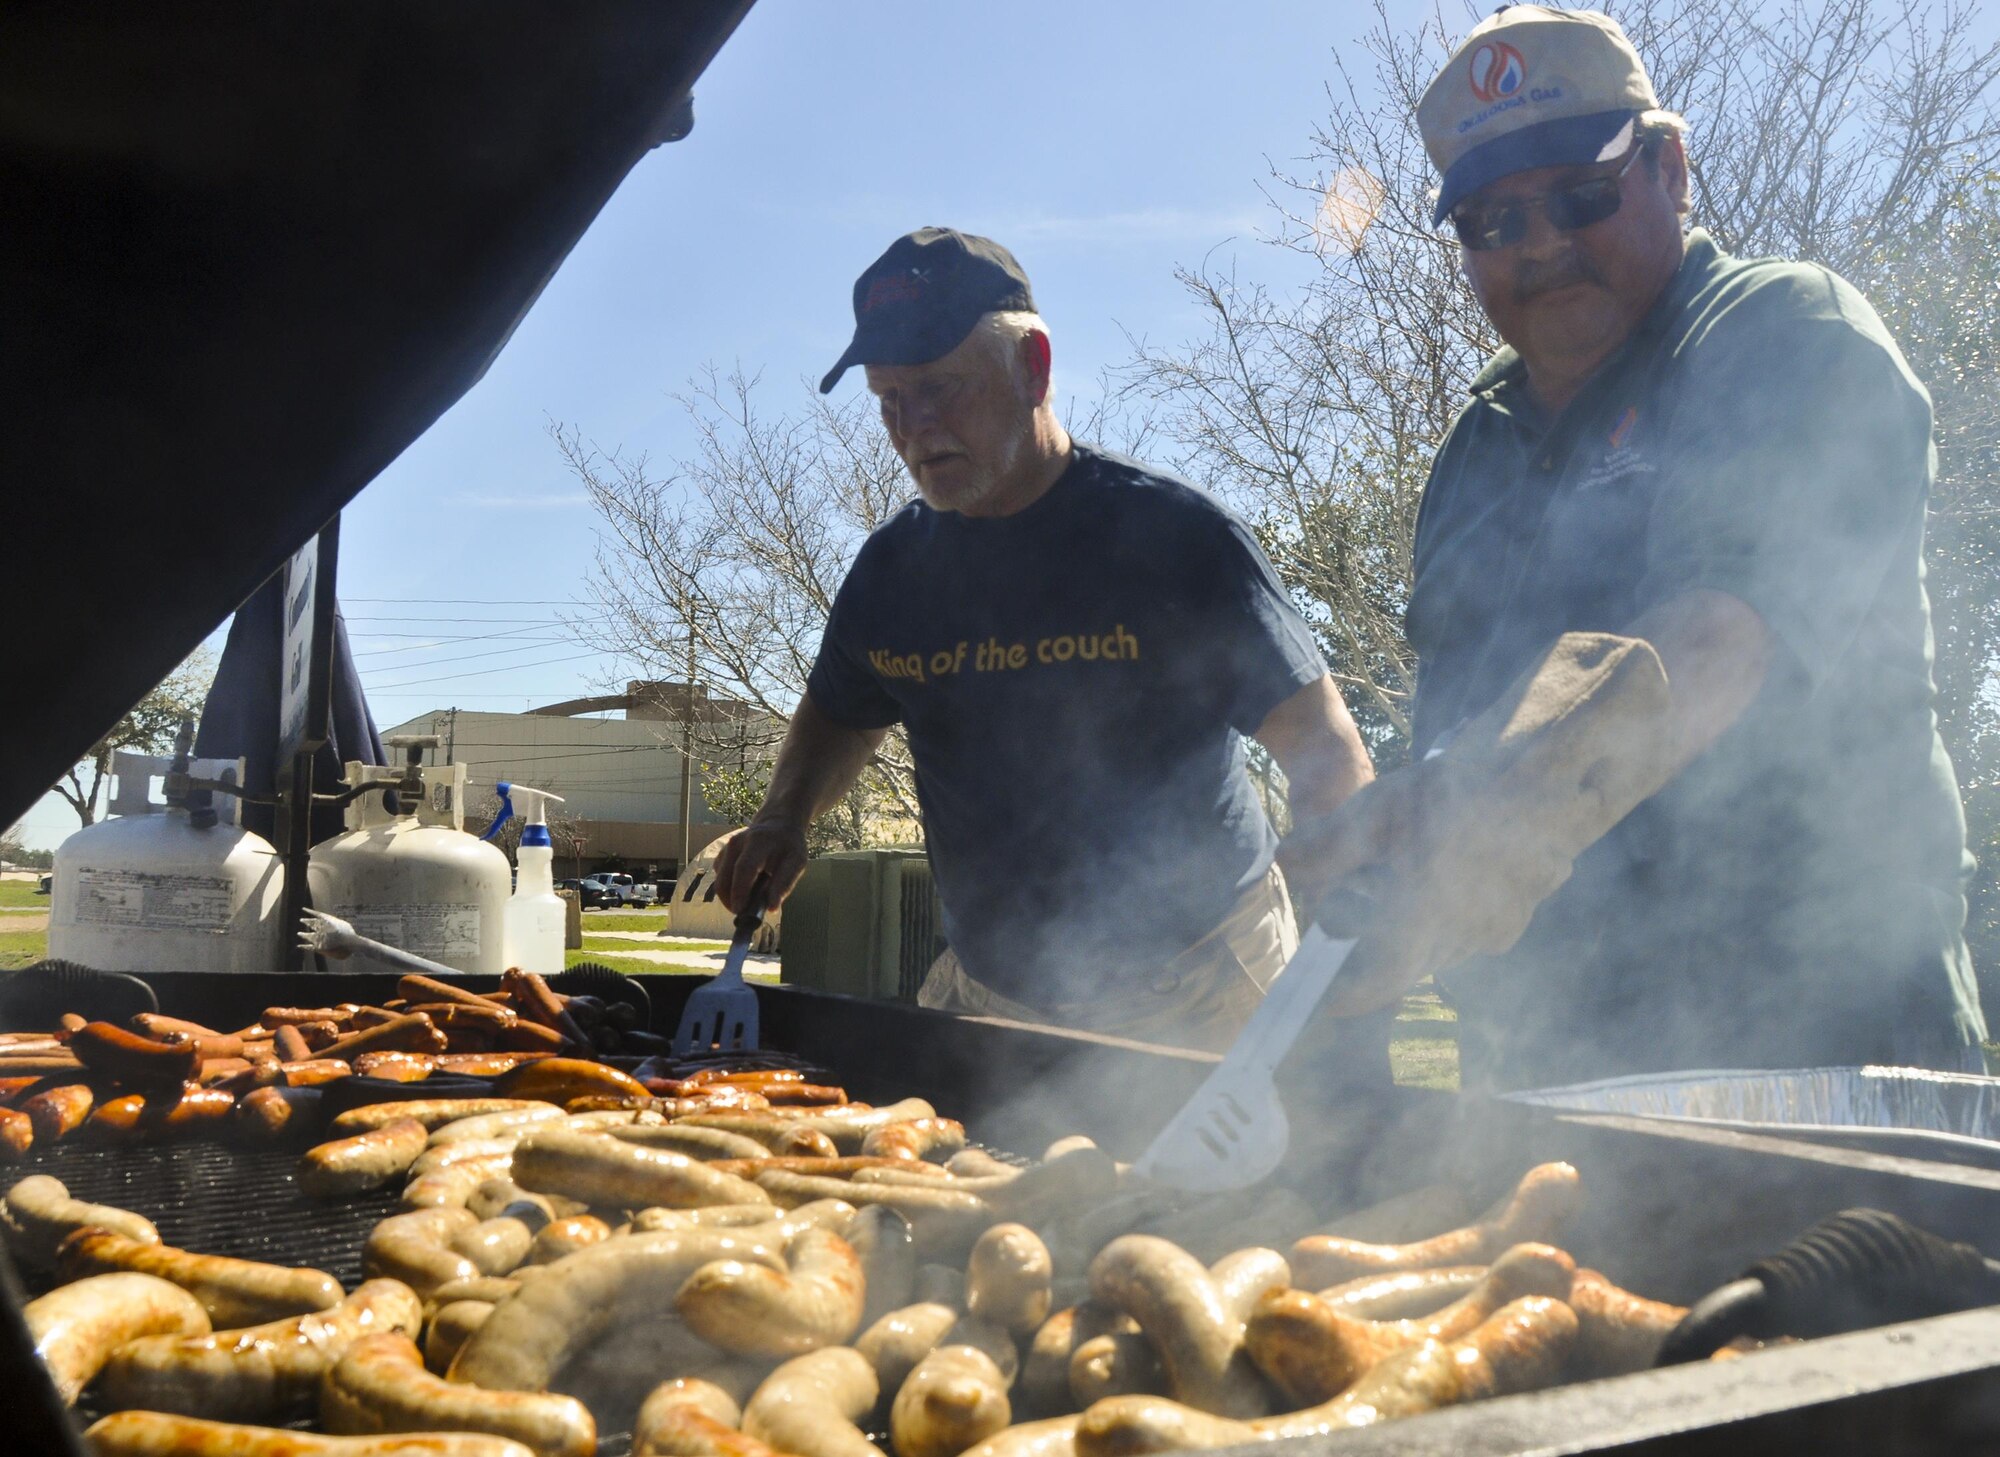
(895, 288)
(1497, 71)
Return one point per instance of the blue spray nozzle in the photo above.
(504, 791)
(537, 830)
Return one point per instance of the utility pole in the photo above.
(687, 765)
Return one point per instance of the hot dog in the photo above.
(56, 1113)
(1312, 1353)
(17, 1136)
(262, 1373)
(1539, 1209)
(606, 1171)
(354, 1165)
(396, 1067)
(41, 1215)
(811, 1404)
(313, 1072)
(409, 1032)
(380, 1385)
(233, 1292)
(1174, 1300)
(1007, 1278)
(289, 1045)
(533, 1335)
(752, 1310)
(161, 1434)
(76, 1327)
(115, 1052)
(954, 1399)
(536, 1003)
(268, 1114)
(559, 1079)
(416, 989)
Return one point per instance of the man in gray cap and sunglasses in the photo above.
(1077, 647)
(1746, 847)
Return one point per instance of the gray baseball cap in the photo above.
(1530, 87)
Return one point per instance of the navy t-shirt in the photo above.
(1076, 680)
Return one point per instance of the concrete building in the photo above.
(620, 778)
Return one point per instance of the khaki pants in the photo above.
(1200, 999)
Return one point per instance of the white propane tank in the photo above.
(415, 880)
(159, 890)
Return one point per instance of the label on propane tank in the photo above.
(428, 930)
(143, 898)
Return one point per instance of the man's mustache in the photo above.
(1531, 280)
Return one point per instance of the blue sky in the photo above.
(1104, 144)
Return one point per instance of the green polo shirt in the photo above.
(1796, 897)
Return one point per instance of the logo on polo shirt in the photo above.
(1623, 428)
(1497, 71)
(1622, 459)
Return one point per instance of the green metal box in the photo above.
(864, 923)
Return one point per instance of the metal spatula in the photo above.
(723, 1015)
(1233, 1131)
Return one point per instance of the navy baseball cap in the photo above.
(1531, 87)
(919, 300)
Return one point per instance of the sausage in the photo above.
(495, 1246)
(41, 1215)
(955, 1399)
(605, 1171)
(943, 1220)
(214, 1070)
(380, 1385)
(56, 1113)
(1418, 1214)
(494, 1197)
(527, 1036)
(1617, 1332)
(76, 1327)
(977, 1163)
(275, 1017)
(1079, 1179)
(57, 1062)
(321, 1035)
(841, 1166)
(115, 1052)
(161, 1434)
(313, 1072)
(233, 1292)
(158, 1027)
(690, 1417)
(919, 1138)
(1539, 1209)
(1242, 1278)
(446, 1155)
(409, 1032)
(485, 1064)
(495, 1122)
(263, 1373)
(1007, 1278)
(396, 1067)
(559, 1079)
(411, 1248)
(610, 1288)
(1117, 1363)
(415, 988)
(846, 1126)
(1044, 1387)
(707, 1144)
(13, 1087)
(17, 1136)
(536, 1003)
(882, 1238)
(1049, 1437)
(1213, 1226)
(463, 1017)
(450, 1329)
(350, 1166)
(1404, 1294)
(1312, 1353)
(289, 1045)
(158, 1114)
(733, 1216)
(1175, 1301)
(802, 1095)
(454, 1187)
(792, 1143)
(810, 1405)
(564, 1237)
(752, 1077)
(268, 1114)
(752, 1310)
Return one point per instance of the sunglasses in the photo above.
(1484, 227)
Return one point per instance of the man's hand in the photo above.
(771, 846)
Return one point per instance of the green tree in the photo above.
(148, 727)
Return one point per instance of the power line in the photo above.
(534, 621)
(473, 601)
(521, 647)
(488, 672)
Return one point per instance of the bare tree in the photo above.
(148, 728)
(1854, 133)
(730, 561)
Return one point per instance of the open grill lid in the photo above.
(253, 250)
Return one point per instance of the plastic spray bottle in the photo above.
(536, 917)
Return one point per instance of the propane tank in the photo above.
(414, 879)
(168, 887)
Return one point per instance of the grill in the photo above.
(1672, 1210)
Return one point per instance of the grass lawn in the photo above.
(20, 894)
(615, 944)
(21, 948)
(1423, 1048)
(624, 921)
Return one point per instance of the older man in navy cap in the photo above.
(1076, 646)
(1723, 463)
